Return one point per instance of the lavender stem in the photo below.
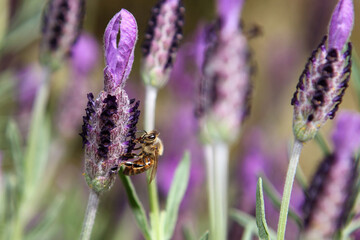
(209, 162)
(149, 124)
(90, 215)
(221, 159)
(294, 159)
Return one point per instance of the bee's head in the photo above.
(150, 137)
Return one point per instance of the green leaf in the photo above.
(322, 143)
(14, 138)
(274, 197)
(136, 205)
(244, 219)
(260, 212)
(355, 75)
(176, 194)
(205, 236)
(36, 149)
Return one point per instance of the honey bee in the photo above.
(151, 149)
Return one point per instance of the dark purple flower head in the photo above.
(324, 80)
(111, 118)
(330, 197)
(341, 24)
(162, 41)
(62, 23)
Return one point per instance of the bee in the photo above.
(151, 149)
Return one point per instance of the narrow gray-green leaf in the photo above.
(136, 206)
(322, 143)
(34, 148)
(14, 138)
(275, 199)
(205, 236)
(176, 194)
(355, 74)
(260, 212)
(244, 219)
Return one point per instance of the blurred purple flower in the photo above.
(330, 197)
(110, 122)
(185, 139)
(85, 54)
(28, 80)
(188, 65)
(341, 24)
(62, 22)
(346, 136)
(254, 163)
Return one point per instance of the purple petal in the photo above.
(229, 12)
(346, 136)
(119, 56)
(341, 24)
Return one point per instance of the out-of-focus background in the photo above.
(290, 30)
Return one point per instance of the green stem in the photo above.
(149, 124)
(294, 159)
(90, 215)
(221, 159)
(209, 162)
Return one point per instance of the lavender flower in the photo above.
(111, 118)
(331, 195)
(225, 86)
(62, 22)
(161, 41)
(325, 78)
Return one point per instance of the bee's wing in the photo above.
(154, 168)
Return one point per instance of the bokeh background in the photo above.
(290, 30)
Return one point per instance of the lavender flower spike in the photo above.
(323, 82)
(332, 193)
(62, 23)
(162, 41)
(341, 24)
(110, 122)
(225, 86)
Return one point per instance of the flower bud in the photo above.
(162, 41)
(111, 118)
(62, 22)
(341, 24)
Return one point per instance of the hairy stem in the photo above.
(294, 159)
(90, 215)
(149, 124)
